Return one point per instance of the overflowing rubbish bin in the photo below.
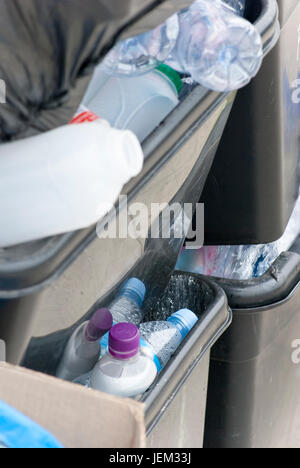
(253, 203)
(50, 287)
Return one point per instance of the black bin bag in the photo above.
(48, 49)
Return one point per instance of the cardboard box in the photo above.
(76, 416)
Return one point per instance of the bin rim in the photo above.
(274, 286)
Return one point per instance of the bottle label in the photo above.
(149, 352)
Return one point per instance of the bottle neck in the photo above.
(133, 296)
(181, 327)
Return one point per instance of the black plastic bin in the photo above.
(253, 185)
(48, 286)
(254, 385)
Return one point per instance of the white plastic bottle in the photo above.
(83, 349)
(63, 180)
(125, 371)
(137, 103)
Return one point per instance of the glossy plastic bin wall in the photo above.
(253, 185)
(253, 393)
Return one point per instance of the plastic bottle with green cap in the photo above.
(137, 103)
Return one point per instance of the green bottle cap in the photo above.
(172, 75)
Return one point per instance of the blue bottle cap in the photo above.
(185, 319)
(135, 290)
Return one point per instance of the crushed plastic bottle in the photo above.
(219, 49)
(143, 53)
(209, 41)
(237, 6)
(163, 338)
(240, 262)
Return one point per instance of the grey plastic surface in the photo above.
(253, 394)
(253, 185)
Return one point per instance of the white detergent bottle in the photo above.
(126, 371)
(63, 180)
(136, 103)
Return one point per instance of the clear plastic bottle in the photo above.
(237, 6)
(163, 338)
(219, 49)
(125, 101)
(127, 307)
(83, 349)
(143, 53)
(63, 180)
(125, 371)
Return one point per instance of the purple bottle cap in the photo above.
(124, 340)
(100, 323)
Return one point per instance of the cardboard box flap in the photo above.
(76, 416)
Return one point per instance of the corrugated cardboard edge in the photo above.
(76, 416)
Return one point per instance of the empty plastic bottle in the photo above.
(163, 338)
(219, 49)
(63, 180)
(240, 262)
(83, 349)
(127, 307)
(237, 6)
(125, 371)
(125, 101)
(143, 53)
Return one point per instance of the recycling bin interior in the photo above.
(253, 203)
(253, 393)
(185, 376)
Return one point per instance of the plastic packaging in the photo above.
(143, 53)
(127, 307)
(83, 349)
(125, 101)
(18, 431)
(163, 338)
(219, 49)
(237, 6)
(63, 180)
(125, 371)
(240, 262)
